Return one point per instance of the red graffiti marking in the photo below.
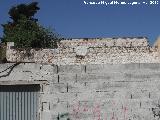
(97, 112)
(80, 109)
(76, 110)
(85, 109)
(125, 113)
(106, 117)
(112, 116)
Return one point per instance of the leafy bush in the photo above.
(25, 31)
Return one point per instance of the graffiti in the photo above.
(97, 112)
(125, 113)
(80, 110)
(76, 110)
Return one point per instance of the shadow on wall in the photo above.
(3, 53)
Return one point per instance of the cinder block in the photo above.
(104, 86)
(112, 68)
(150, 66)
(154, 94)
(131, 66)
(50, 98)
(141, 76)
(49, 68)
(38, 67)
(6, 65)
(100, 77)
(28, 71)
(45, 106)
(57, 88)
(103, 68)
(70, 97)
(92, 77)
(58, 105)
(54, 78)
(67, 78)
(139, 94)
(71, 69)
(75, 87)
(137, 75)
(133, 104)
(110, 104)
(46, 115)
(147, 104)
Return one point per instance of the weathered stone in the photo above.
(90, 51)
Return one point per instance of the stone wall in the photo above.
(90, 79)
(89, 51)
(91, 92)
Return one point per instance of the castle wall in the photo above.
(90, 51)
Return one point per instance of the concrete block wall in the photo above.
(91, 92)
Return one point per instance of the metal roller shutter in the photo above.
(19, 102)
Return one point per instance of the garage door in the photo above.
(19, 102)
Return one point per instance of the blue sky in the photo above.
(74, 19)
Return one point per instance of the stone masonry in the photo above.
(89, 51)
